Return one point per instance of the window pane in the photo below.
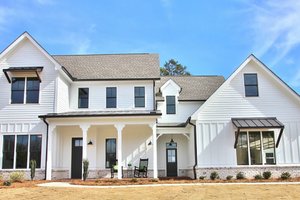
(17, 90)
(269, 147)
(110, 152)
(8, 151)
(21, 152)
(83, 97)
(255, 148)
(242, 149)
(250, 79)
(171, 109)
(32, 91)
(35, 149)
(251, 91)
(139, 96)
(111, 97)
(139, 102)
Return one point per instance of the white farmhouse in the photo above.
(115, 110)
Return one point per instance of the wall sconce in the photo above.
(150, 143)
(90, 142)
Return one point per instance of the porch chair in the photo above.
(142, 170)
(114, 169)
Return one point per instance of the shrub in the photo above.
(202, 177)
(285, 175)
(17, 177)
(240, 175)
(134, 180)
(85, 169)
(32, 169)
(214, 175)
(258, 177)
(7, 183)
(267, 174)
(229, 177)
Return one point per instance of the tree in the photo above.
(173, 68)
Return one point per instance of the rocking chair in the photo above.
(142, 170)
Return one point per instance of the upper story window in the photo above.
(111, 97)
(251, 85)
(83, 97)
(18, 86)
(171, 106)
(139, 96)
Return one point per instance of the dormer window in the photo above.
(251, 85)
(171, 106)
(18, 94)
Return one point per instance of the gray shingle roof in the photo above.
(111, 66)
(192, 87)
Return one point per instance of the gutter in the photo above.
(195, 147)
(46, 159)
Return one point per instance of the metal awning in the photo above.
(257, 123)
(22, 69)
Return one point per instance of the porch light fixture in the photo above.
(172, 141)
(150, 143)
(90, 142)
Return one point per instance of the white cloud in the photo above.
(5, 15)
(295, 81)
(45, 2)
(275, 26)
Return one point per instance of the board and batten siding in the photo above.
(215, 130)
(125, 94)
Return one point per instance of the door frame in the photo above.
(70, 169)
(167, 161)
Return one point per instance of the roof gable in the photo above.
(262, 67)
(170, 82)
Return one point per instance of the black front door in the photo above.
(76, 169)
(171, 162)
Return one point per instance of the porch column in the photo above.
(154, 146)
(84, 129)
(51, 135)
(119, 128)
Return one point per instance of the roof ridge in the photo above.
(98, 54)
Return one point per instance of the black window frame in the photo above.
(8, 152)
(35, 90)
(35, 151)
(22, 152)
(139, 96)
(251, 85)
(111, 97)
(110, 158)
(17, 89)
(82, 97)
(170, 105)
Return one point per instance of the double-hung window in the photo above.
(171, 105)
(15, 151)
(251, 85)
(18, 94)
(111, 97)
(139, 97)
(83, 97)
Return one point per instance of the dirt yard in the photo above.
(166, 192)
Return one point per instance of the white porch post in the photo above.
(51, 135)
(84, 129)
(119, 128)
(154, 146)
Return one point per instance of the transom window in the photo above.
(256, 148)
(139, 96)
(171, 106)
(83, 97)
(16, 149)
(18, 94)
(111, 97)
(110, 152)
(251, 85)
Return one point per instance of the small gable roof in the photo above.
(111, 66)
(193, 88)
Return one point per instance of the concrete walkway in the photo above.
(68, 185)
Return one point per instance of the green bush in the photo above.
(285, 175)
(85, 169)
(32, 169)
(229, 177)
(17, 177)
(240, 175)
(267, 174)
(214, 175)
(202, 177)
(258, 177)
(7, 183)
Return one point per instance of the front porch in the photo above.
(101, 142)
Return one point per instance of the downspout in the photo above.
(46, 146)
(195, 148)
(154, 97)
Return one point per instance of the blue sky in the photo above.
(209, 37)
